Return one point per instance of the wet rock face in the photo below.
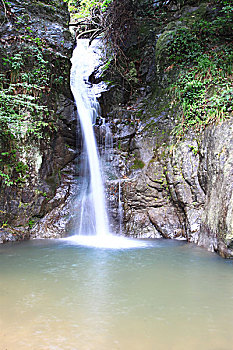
(185, 192)
(183, 183)
(166, 221)
(50, 159)
(173, 189)
(149, 209)
(170, 188)
(216, 178)
(57, 221)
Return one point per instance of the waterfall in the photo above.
(93, 218)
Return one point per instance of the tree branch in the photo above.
(5, 11)
(79, 24)
(4, 6)
(86, 32)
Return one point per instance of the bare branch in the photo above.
(86, 32)
(79, 24)
(5, 11)
(4, 5)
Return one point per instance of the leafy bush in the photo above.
(205, 91)
(25, 81)
(84, 8)
(204, 55)
(184, 46)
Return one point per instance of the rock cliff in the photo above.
(37, 118)
(176, 166)
(170, 114)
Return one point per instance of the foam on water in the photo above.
(109, 242)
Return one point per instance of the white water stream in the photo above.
(84, 61)
(92, 223)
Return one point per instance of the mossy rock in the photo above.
(165, 39)
(138, 164)
(162, 47)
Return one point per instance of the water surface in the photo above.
(166, 296)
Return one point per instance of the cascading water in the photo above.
(93, 216)
(92, 220)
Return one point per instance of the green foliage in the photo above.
(184, 46)
(4, 224)
(138, 164)
(6, 179)
(205, 91)
(31, 223)
(204, 55)
(106, 65)
(85, 8)
(194, 149)
(131, 74)
(12, 171)
(223, 23)
(26, 80)
(21, 168)
(24, 83)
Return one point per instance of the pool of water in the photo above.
(165, 295)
